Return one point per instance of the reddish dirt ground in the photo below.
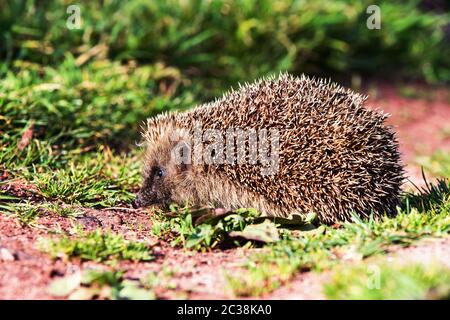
(422, 125)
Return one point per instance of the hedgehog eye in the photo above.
(159, 172)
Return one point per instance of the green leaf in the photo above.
(64, 286)
(266, 232)
(85, 293)
(132, 291)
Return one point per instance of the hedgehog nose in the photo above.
(137, 203)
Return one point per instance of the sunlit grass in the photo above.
(97, 246)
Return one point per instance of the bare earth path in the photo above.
(26, 272)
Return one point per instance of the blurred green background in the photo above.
(226, 40)
(76, 89)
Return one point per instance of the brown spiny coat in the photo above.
(335, 155)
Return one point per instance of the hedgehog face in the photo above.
(164, 184)
(157, 185)
(165, 179)
(154, 189)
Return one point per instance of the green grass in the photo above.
(101, 180)
(184, 228)
(438, 164)
(100, 284)
(221, 42)
(389, 282)
(72, 101)
(96, 246)
(25, 211)
(96, 179)
(325, 247)
(424, 214)
(69, 130)
(66, 211)
(71, 110)
(111, 284)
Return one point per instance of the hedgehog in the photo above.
(285, 145)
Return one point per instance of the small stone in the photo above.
(90, 222)
(117, 220)
(6, 255)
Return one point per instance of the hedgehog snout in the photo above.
(137, 203)
(143, 199)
